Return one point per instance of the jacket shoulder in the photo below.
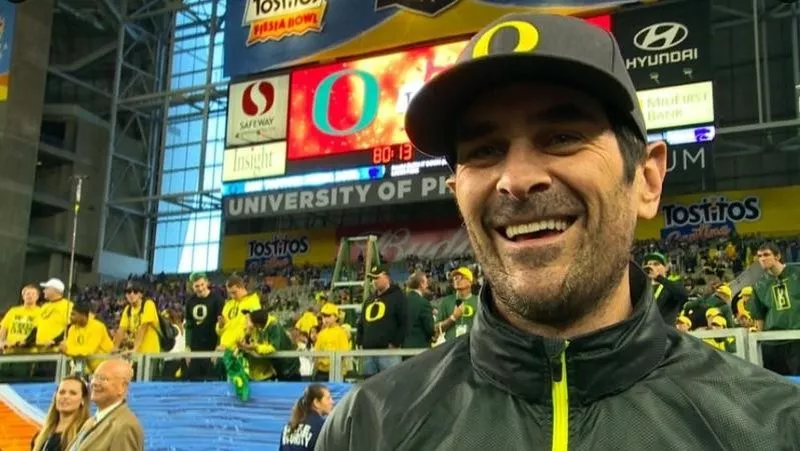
(732, 394)
(382, 412)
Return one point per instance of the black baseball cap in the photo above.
(519, 47)
(377, 270)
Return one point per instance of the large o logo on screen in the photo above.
(258, 105)
(322, 103)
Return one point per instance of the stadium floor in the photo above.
(175, 415)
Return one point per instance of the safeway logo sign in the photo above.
(258, 98)
(257, 111)
(661, 36)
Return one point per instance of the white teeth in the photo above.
(551, 224)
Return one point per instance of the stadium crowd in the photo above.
(268, 309)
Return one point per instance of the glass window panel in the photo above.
(177, 132)
(192, 156)
(168, 165)
(213, 257)
(185, 261)
(158, 260)
(217, 76)
(201, 226)
(218, 55)
(190, 229)
(215, 223)
(195, 130)
(166, 182)
(173, 234)
(214, 154)
(165, 207)
(179, 158)
(171, 255)
(217, 178)
(161, 233)
(200, 258)
(191, 180)
(177, 182)
(208, 178)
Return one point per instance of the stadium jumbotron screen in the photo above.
(344, 121)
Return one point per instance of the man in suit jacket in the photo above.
(420, 313)
(114, 426)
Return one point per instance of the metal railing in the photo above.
(748, 347)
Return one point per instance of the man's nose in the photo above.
(524, 171)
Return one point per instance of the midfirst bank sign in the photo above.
(419, 188)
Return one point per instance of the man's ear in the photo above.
(451, 183)
(651, 185)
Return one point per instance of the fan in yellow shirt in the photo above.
(86, 336)
(232, 323)
(332, 337)
(54, 316)
(138, 324)
(307, 321)
(20, 320)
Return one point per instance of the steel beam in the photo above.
(112, 144)
(174, 93)
(757, 127)
(87, 59)
(765, 86)
(795, 30)
(207, 95)
(138, 15)
(130, 211)
(164, 197)
(757, 60)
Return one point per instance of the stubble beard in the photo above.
(597, 267)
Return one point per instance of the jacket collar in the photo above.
(599, 364)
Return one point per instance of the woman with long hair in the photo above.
(307, 419)
(68, 411)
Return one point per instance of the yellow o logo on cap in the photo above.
(527, 40)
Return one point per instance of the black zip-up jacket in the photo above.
(637, 385)
(384, 320)
(670, 299)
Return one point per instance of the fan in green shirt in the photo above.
(457, 311)
(775, 305)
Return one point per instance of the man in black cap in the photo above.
(541, 123)
(383, 321)
(670, 296)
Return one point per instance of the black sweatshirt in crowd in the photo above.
(383, 320)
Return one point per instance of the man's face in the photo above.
(51, 294)
(540, 186)
(200, 287)
(767, 259)
(381, 282)
(30, 296)
(655, 268)
(460, 282)
(78, 319)
(423, 285)
(234, 291)
(107, 386)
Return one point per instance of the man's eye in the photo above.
(484, 152)
(558, 139)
